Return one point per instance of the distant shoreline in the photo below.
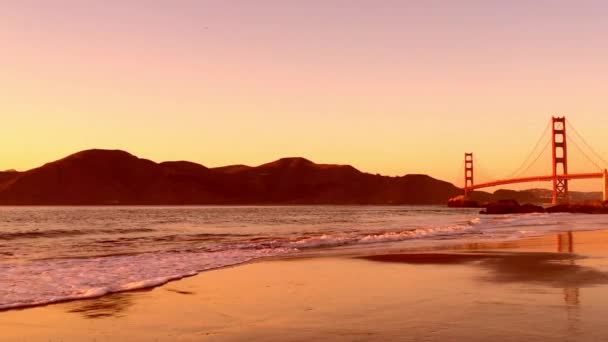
(118, 178)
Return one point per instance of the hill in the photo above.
(100, 177)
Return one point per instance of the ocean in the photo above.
(52, 254)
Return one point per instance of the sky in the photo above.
(390, 87)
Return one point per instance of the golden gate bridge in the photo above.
(559, 165)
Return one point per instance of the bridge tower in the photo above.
(468, 174)
(559, 160)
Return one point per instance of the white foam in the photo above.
(50, 281)
(325, 240)
(335, 240)
(417, 233)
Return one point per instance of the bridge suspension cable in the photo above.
(585, 154)
(541, 152)
(584, 141)
(543, 135)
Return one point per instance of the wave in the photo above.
(57, 233)
(45, 282)
(328, 240)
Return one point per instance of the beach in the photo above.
(549, 288)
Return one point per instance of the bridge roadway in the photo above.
(536, 179)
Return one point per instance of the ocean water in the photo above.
(51, 254)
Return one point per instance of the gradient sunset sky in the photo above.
(390, 87)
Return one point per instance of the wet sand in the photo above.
(552, 288)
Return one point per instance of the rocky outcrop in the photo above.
(531, 196)
(462, 202)
(531, 208)
(511, 207)
(588, 207)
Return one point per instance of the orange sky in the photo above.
(391, 87)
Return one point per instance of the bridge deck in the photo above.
(536, 179)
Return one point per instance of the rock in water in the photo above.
(589, 207)
(461, 202)
(511, 207)
(531, 208)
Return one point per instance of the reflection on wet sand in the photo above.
(555, 269)
(189, 293)
(114, 305)
(565, 244)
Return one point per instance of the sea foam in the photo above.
(49, 281)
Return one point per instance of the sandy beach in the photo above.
(551, 288)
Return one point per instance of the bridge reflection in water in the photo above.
(565, 244)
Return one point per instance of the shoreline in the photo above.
(454, 252)
(364, 297)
